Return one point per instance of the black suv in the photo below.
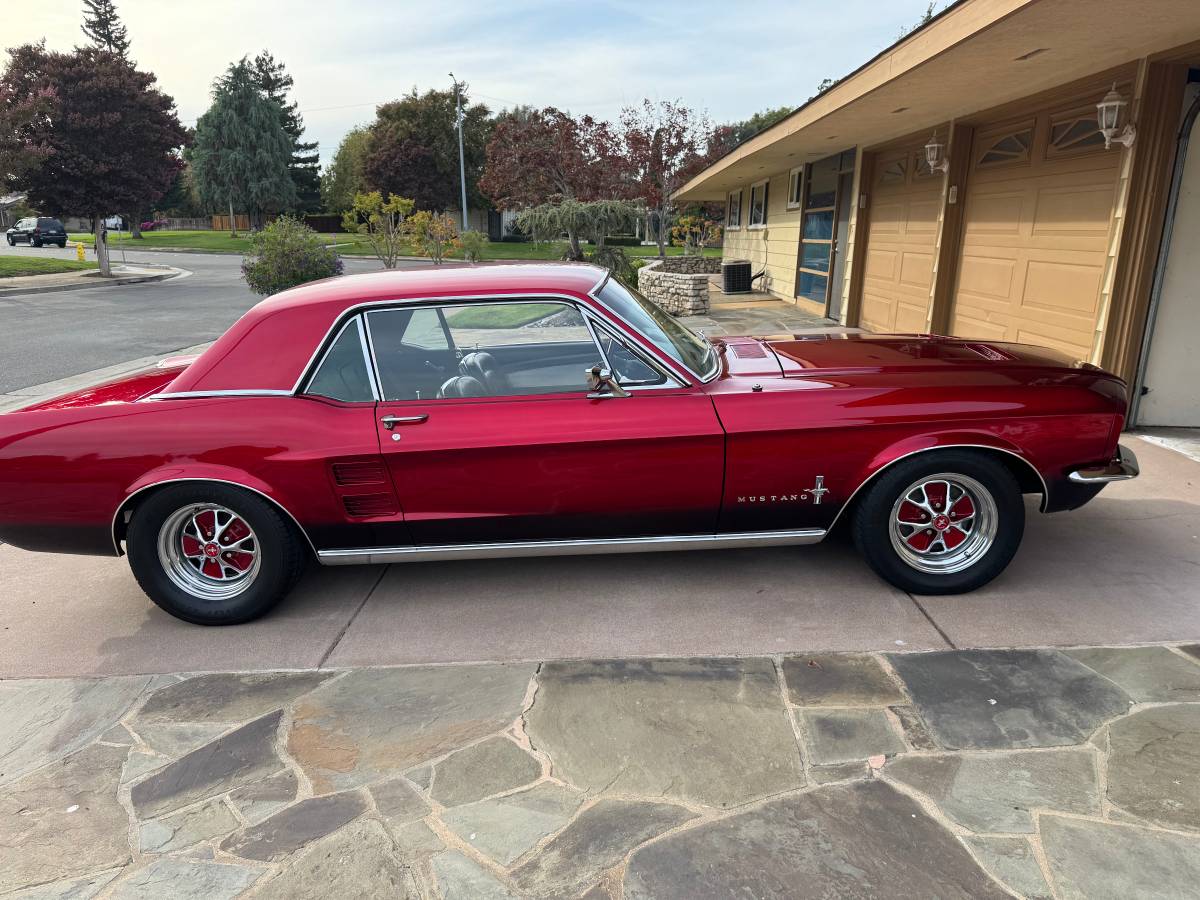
(38, 231)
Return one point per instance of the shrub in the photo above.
(434, 235)
(474, 245)
(695, 233)
(322, 222)
(382, 221)
(287, 253)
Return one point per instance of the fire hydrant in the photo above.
(79, 250)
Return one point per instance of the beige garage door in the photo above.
(901, 243)
(1039, 207)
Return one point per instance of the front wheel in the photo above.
(12, 242)
(945, 522)
(212, 554)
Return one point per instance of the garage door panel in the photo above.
(877, 312)
(992, 215)
(916, 270)
(1062, 287)
(1042, 335)
(923, 216)
(987, 275)
(1077, 211)
(910, 317)
(881, 263)
(980, 326)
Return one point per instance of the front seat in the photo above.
(482, 367)
(462, 386)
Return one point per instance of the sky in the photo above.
(729, 59)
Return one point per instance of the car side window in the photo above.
(511, 349)
(343, 373)
(628, 365)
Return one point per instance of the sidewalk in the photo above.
(70, 281)
(948, 774)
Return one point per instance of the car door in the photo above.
(490, 435)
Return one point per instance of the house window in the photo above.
(795, 197)
(894, 172)
(733, 211)
(1072, 132)
(817, 229)
(1006, 146)
(758, 204)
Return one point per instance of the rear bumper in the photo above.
(1121, 468)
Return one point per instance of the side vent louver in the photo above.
(370, 505)
(352, 473)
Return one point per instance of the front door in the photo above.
(490, 436)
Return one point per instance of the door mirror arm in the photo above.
(602, 385)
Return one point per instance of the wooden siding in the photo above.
(773, 247)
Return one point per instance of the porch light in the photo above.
(1110, 113)
(935, 155)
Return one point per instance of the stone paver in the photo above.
(463, 879)
(839, 679)
(186, 828)
(596, 840)
(1012, 862)
(990, 699)
(996, 793)
(857, 840)
(506, 827)
(846, 735)
(289, 830)
(63, 820)
(487, 768)
(1147, 674)
(259, 799)
(186, 879)
(1154, 765)
(84, 888)
(242, 756)
(398, 801)
(713, 732)
(913, 727)
(1098, 861)
(372, 723)
(227, 697)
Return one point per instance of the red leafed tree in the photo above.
(102, 140)
(663, 141)
(541, 156)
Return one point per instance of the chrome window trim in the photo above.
(125, 502)
(238, 392)
(372, 375)
(514, 549)
(671, 382)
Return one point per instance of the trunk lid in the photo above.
(123, 389)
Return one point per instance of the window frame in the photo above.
(795, 195)
(596, 326)
(731, 225)
(751, 225)
(357, 321)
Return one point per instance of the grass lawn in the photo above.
(348, 245)
(513, 316)
(12, 266)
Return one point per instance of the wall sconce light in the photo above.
(1110, 112)
(935, 155)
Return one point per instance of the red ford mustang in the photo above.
(546, 409)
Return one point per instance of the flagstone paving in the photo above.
(980, 774)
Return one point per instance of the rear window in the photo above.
(49, 223)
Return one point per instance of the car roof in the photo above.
(270, 346)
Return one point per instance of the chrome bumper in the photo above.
(1122, 468)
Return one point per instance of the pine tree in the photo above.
(103, 27)
(275, 82)
(241, 151)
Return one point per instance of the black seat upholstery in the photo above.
(482, 367)
(462, 386)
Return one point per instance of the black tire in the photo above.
(62, 245)
(12, 242)
(972, 562)
(279, 550)
(35, 242)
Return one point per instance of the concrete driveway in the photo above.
(1123, 570)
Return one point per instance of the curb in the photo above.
(107, 282)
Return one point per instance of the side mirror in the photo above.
(602, 385)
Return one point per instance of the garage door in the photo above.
(901, 243)
(1039, 208)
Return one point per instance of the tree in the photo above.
(593, 220)
(103, 27)
(760, 121)
(926, 18)
(287, 253)
(413, 149)
(434, 233)
(276, 84)
(694, 233)
(382, 221)
(662, 139)
(343, 177)
(539, 156)
(102, 140)
(241, 152)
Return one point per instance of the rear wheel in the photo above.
(35, 242)
(212, 554)
(944, 522)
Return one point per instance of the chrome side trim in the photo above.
(163, 483)
(240, 392)
(512, 549)
(890, 463)
(1123, 467)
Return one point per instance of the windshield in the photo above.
(660, 328)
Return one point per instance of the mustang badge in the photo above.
(816, 492)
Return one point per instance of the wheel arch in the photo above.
(1027, 475)
(145, 487)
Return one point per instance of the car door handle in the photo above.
(390, 422)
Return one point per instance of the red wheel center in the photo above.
(211, 550)
(942, 522)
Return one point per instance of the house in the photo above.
(1062, 206)
(9, 205)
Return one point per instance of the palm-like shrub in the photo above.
(287, 253)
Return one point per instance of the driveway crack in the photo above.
(928, 618)
(341, 634)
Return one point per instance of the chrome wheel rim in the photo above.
(943, 523)
(209, 551)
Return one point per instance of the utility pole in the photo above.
(462, 166)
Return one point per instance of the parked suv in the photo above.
(38, 231)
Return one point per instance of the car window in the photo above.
(659, 327)
(342, 374)
(628, 365)
(482, 350)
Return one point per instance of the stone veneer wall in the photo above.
(679, 284)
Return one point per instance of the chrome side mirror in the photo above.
(602, 385)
